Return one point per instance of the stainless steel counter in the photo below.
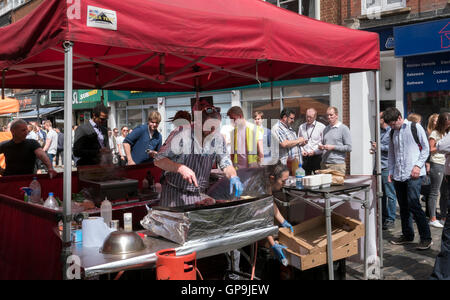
(95, 263)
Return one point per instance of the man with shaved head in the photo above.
(21, 153)
(312, 132)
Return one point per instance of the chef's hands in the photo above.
(286, 224)
(236, 183)
(278, 251)
(188, 175)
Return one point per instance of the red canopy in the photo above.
(177, 45)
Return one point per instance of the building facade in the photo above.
(414, 72)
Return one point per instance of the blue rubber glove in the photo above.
(286, 224)
(236, 183)
(278, 251)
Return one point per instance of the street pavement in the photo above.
(402, 262)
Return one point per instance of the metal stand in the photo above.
(336, 192)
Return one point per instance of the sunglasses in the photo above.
(211, 109)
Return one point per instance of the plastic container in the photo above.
(299, 174)
(106, 211)
(51, 202)
(26, 194)
(128, 221)
(35, 186)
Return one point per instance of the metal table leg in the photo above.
(329, 237)
(366, 228)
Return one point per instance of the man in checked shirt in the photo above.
(188, 156)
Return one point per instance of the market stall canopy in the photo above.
(177, 45)
(9, 105)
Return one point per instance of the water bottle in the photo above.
(35, 187)
(51, 202)
(106, 211)
(299, 174)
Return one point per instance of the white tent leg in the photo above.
(67, 188)
(378, 168)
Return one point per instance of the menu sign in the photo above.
(427, 72)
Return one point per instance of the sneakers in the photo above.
(436, 224)
(388, 225)
(424, 245)
(401, 241)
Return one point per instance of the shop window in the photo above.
(298, 97)
(303, 7)
(427, 103)
(133, 113)
(377, 6)
(386, 103)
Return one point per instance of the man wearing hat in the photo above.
(188, 156)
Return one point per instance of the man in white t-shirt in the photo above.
(51, 143)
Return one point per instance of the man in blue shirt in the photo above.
(406, 162)
(389, 200)
(142, 144)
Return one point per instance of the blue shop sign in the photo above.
(422, 38)
(386, 36)
(426, 73)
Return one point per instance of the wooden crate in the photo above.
(310, 237)
(308, 261)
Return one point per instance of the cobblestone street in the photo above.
(403, 262)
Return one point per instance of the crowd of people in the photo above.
(414, 159)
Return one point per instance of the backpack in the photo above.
(414, 133)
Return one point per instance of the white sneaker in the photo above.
(436, 224)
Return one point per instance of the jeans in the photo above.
(408, 196)
(51, 157)
(436, 176)
(389, 200)
(441, 269)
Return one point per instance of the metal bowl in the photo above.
(122, 242)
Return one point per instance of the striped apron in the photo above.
(178, 192)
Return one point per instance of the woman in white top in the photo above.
(437, 165)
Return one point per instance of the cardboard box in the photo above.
(305, 262)
(310, 237)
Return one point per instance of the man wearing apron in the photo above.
(188, 156)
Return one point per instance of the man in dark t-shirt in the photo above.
(21, 153)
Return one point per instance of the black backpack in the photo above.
(414, 133)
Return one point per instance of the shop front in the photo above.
(130, 108)
(84, 101)
(298, 95)
(425, 48)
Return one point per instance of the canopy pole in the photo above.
(379, 179)
(67, 189)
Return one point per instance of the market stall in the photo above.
(193, 45)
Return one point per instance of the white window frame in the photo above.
(316, 6)
(384, 6)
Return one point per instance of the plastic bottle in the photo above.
(27, 194)
(35, 186)
(51, 202)
(299, 174)
(106, 211)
